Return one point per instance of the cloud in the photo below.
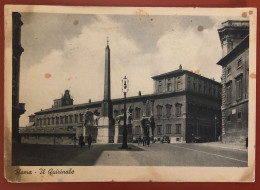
(79, 64)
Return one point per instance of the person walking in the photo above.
(148, 141)
(81, 141)
(144, 141)
(89, 139)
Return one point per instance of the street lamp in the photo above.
(215, 127)
(125, 87)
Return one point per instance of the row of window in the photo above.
(168, 107)
(238, 64)
(238, 90)
(60, 120)
(169, 85)
(205, 89)
(239, 116)
(168, 129)
(159, 111)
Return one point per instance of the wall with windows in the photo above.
(169, 84)
(169, 116)
(68, 118)
(237, 79)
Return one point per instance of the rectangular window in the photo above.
(169, 85)
(228, 93)
(66, 119)
(239, 63)
(168, 128)
(189, 83)
(61, 119)
(137, 113)
(159, 111)
(178, 83)
(239, 88)
(159, 129)
(53, 121)
(81, 117)
(228, 70)
(178, 128)
(239, 115)
(168, 110)
(159, 86)
(76, 118)
(71, 118)
(44, 121)
(49, 121)
(178, 109)
(57, 120)
(228, 118)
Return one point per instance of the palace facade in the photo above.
(184, 106)
(234, 38)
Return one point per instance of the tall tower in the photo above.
(231, 34)
(104, 122)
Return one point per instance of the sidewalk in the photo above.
(240, 146)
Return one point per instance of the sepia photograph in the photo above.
(129, 92)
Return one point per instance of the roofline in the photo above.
(244, 44)
(119, 100)
(181, 72)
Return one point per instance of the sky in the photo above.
(67, 51)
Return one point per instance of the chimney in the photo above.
(139, 93)
(89, 100)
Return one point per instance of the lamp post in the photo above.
(125, 86)
(215, 127)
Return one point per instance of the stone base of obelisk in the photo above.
(103, 130)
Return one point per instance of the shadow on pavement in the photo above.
(62, 155)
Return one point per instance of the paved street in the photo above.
(111, 154)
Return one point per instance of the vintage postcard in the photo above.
(129, 94)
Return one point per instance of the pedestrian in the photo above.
(144, 141)
(138, 140)
(89, 139)
(148, 141)
(81, 141)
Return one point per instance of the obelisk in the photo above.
(104, 123)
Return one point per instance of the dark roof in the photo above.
(170, 74)
(180, 72)
(70, 107)
(240, 48)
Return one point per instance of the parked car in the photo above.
(197, 139)
(165, 139)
